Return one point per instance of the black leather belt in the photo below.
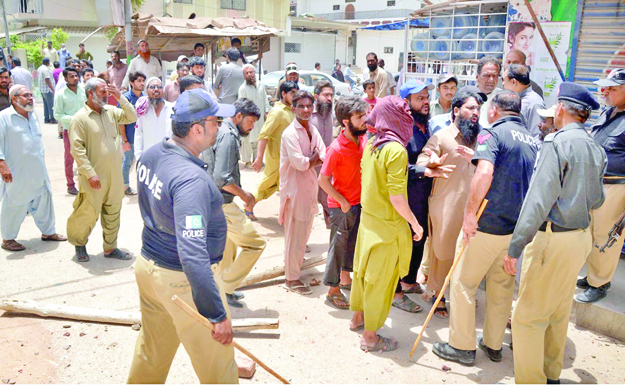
(613, 180)
(555, 228)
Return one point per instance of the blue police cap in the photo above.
(574, 92)
(413, 86)
(196, 104)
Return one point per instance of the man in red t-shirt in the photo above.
(340, 178)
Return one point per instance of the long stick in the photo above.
(442, 291)
(544, 37)
(195, 315)
(279, 271)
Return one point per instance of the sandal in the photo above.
(118, 254)
(12, 245)
(81, 254)
(251, 215)
(414, 289)
(440, 308)
(338, 297)
(357, 328)
(54, 237)
(346, 287)
(407, 305)
(298, 288)
(383, 344)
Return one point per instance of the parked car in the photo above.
(308, 80)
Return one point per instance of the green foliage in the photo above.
(136, 5)
(33, 49)
(111, 32)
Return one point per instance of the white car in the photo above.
(308, 78)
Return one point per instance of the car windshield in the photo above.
(272, 79)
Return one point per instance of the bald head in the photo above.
(515, 57)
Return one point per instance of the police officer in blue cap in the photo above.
(184, 235)
(417, 95)
(553, 232)
(609, 132)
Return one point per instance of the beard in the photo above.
(242, 132)
(469, 131)
(357, 131)
(145, 55)
(420, 119)
(101, 102)
(324, 108)
(156, 101)
(372, 67)
(250, 82)
(28, 106)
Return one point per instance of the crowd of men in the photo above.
(400, 184)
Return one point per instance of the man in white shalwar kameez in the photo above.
(153, 123)
(254, 91)
(25, 186)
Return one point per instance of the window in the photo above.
(239, 5)
(390, 3)
(292, 48)
(336, 7)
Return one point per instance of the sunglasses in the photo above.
(155, 87)
(291, 68)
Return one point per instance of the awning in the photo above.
(171, 37)
(400, 25)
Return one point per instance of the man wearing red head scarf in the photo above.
(384, 244)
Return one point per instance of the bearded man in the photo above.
(25, 184)
(324, 122)
(117, 71)
(93, 134)
(5, 79)
(153, 118)
(223, 165)
(449, 196)
(144, 62)
(377, 75)
(255, 91)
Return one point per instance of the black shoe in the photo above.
(81, 254)
(583, 283)
(46, 121)
(60, 136)
(553, 381)
(493, 355)
(238, 295)
(54, 122)
(593, 294)
(445, 351)
(73, 191)
(233, 302)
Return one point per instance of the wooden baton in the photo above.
(447, 278)
(195, 315)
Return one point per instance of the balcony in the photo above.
(382, 14)
(24, 7)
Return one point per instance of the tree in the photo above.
(33, 49)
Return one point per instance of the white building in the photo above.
(388, 45)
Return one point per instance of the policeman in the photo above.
(184, 234)
(505, 157)
(553, 230)
(609, 132)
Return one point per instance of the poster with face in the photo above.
(524, 39)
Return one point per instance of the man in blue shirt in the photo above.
(183, 236)
(505, 157)
(137, 84)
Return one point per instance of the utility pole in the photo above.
(6, 27)
(128, 31)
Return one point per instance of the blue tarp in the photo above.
(399, 25)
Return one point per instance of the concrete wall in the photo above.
(375, 41)
(273, 60)
(96, 45)
(325, 6)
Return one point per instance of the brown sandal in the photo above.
(54, 237)
(13, 246)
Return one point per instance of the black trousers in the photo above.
(415, 263)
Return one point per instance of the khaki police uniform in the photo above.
(609, 132)
(553, 228)
(509, 147)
